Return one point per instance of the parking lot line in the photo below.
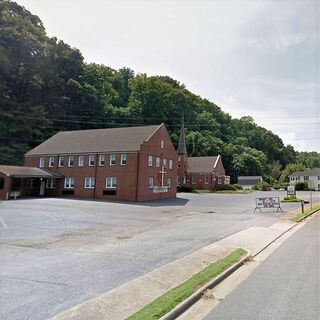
(49, 215)
(3, 223)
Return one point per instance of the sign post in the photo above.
(268, 203)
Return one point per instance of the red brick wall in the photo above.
(137, 163)
(199, 183)
(153, 147)
(182, 167)
(6, 187)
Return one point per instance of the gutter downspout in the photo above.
(95, 176)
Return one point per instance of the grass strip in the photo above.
(234, 192)
(307, 213)
(169, 300)
(292, 200)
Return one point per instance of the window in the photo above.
(111, 182)
(170, 164)
(149, 161)
(306, 178)
(157, 162)
(51, 183)
(60, 162)
(1, 183)
(150, 182)
(219, 181)
(165, 163)
(319, 178)
(112, 159)
(206, 179)
(179, 158)
(30, 183)
(123, 160)
(89, 183)
(51, 162)
(91, 160)
(169, 182)
(161, 144)
(101, 160)
(69, 183)
(193, 179)
(70, 161)
(80, 161)
(41, 162)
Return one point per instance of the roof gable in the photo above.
(202, 164)
(96, 140)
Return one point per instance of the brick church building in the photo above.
(201, 173)
(128, 164)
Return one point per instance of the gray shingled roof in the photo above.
(249, 180)
(96, 140)
(29, 172)
(305, 173)
(201, 164)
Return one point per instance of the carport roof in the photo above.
(27, 172)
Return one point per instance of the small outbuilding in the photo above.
(247, 182)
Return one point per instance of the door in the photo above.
(42, 186)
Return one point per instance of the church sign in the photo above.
(291, 191)
(160, 189)
(268, 203)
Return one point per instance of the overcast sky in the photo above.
(257, 58)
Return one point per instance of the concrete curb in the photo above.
(186, 304)
(308, 215)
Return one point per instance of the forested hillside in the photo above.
(45, 87)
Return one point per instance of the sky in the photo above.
(251, 57)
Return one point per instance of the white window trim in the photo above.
(113, 179)
(70, 158)
(150, 161)
(51, 183)
(80, 161)
(69, 182)
(150, 186)
(91, 156)
(158, 162)
(51, 162)
(169, 182)
(60, 162)
(206, 179)
(91, 183)
(101, 160)
(112, 157)
(162, 144)
(41, 162)
(171, 164)
(123, 159)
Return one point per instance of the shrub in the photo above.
(261, 185)
(301, 185)
(232, 187)
(184, 188)
(276, 185)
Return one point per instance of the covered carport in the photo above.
(18, 181)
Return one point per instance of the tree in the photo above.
(289, 169)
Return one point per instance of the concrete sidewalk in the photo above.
(121, 302)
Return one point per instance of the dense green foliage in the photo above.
(45, 87)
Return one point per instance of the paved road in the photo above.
(285, 286)
(56, 253)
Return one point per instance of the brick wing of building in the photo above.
(128, 164)
(202, 173)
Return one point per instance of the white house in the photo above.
(304, 176)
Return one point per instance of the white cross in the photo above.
(162, 172)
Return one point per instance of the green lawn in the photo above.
(169, 300)
(307, 213)
(291, 199)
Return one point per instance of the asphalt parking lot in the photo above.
(56, 253)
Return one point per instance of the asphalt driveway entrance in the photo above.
(56, 253)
